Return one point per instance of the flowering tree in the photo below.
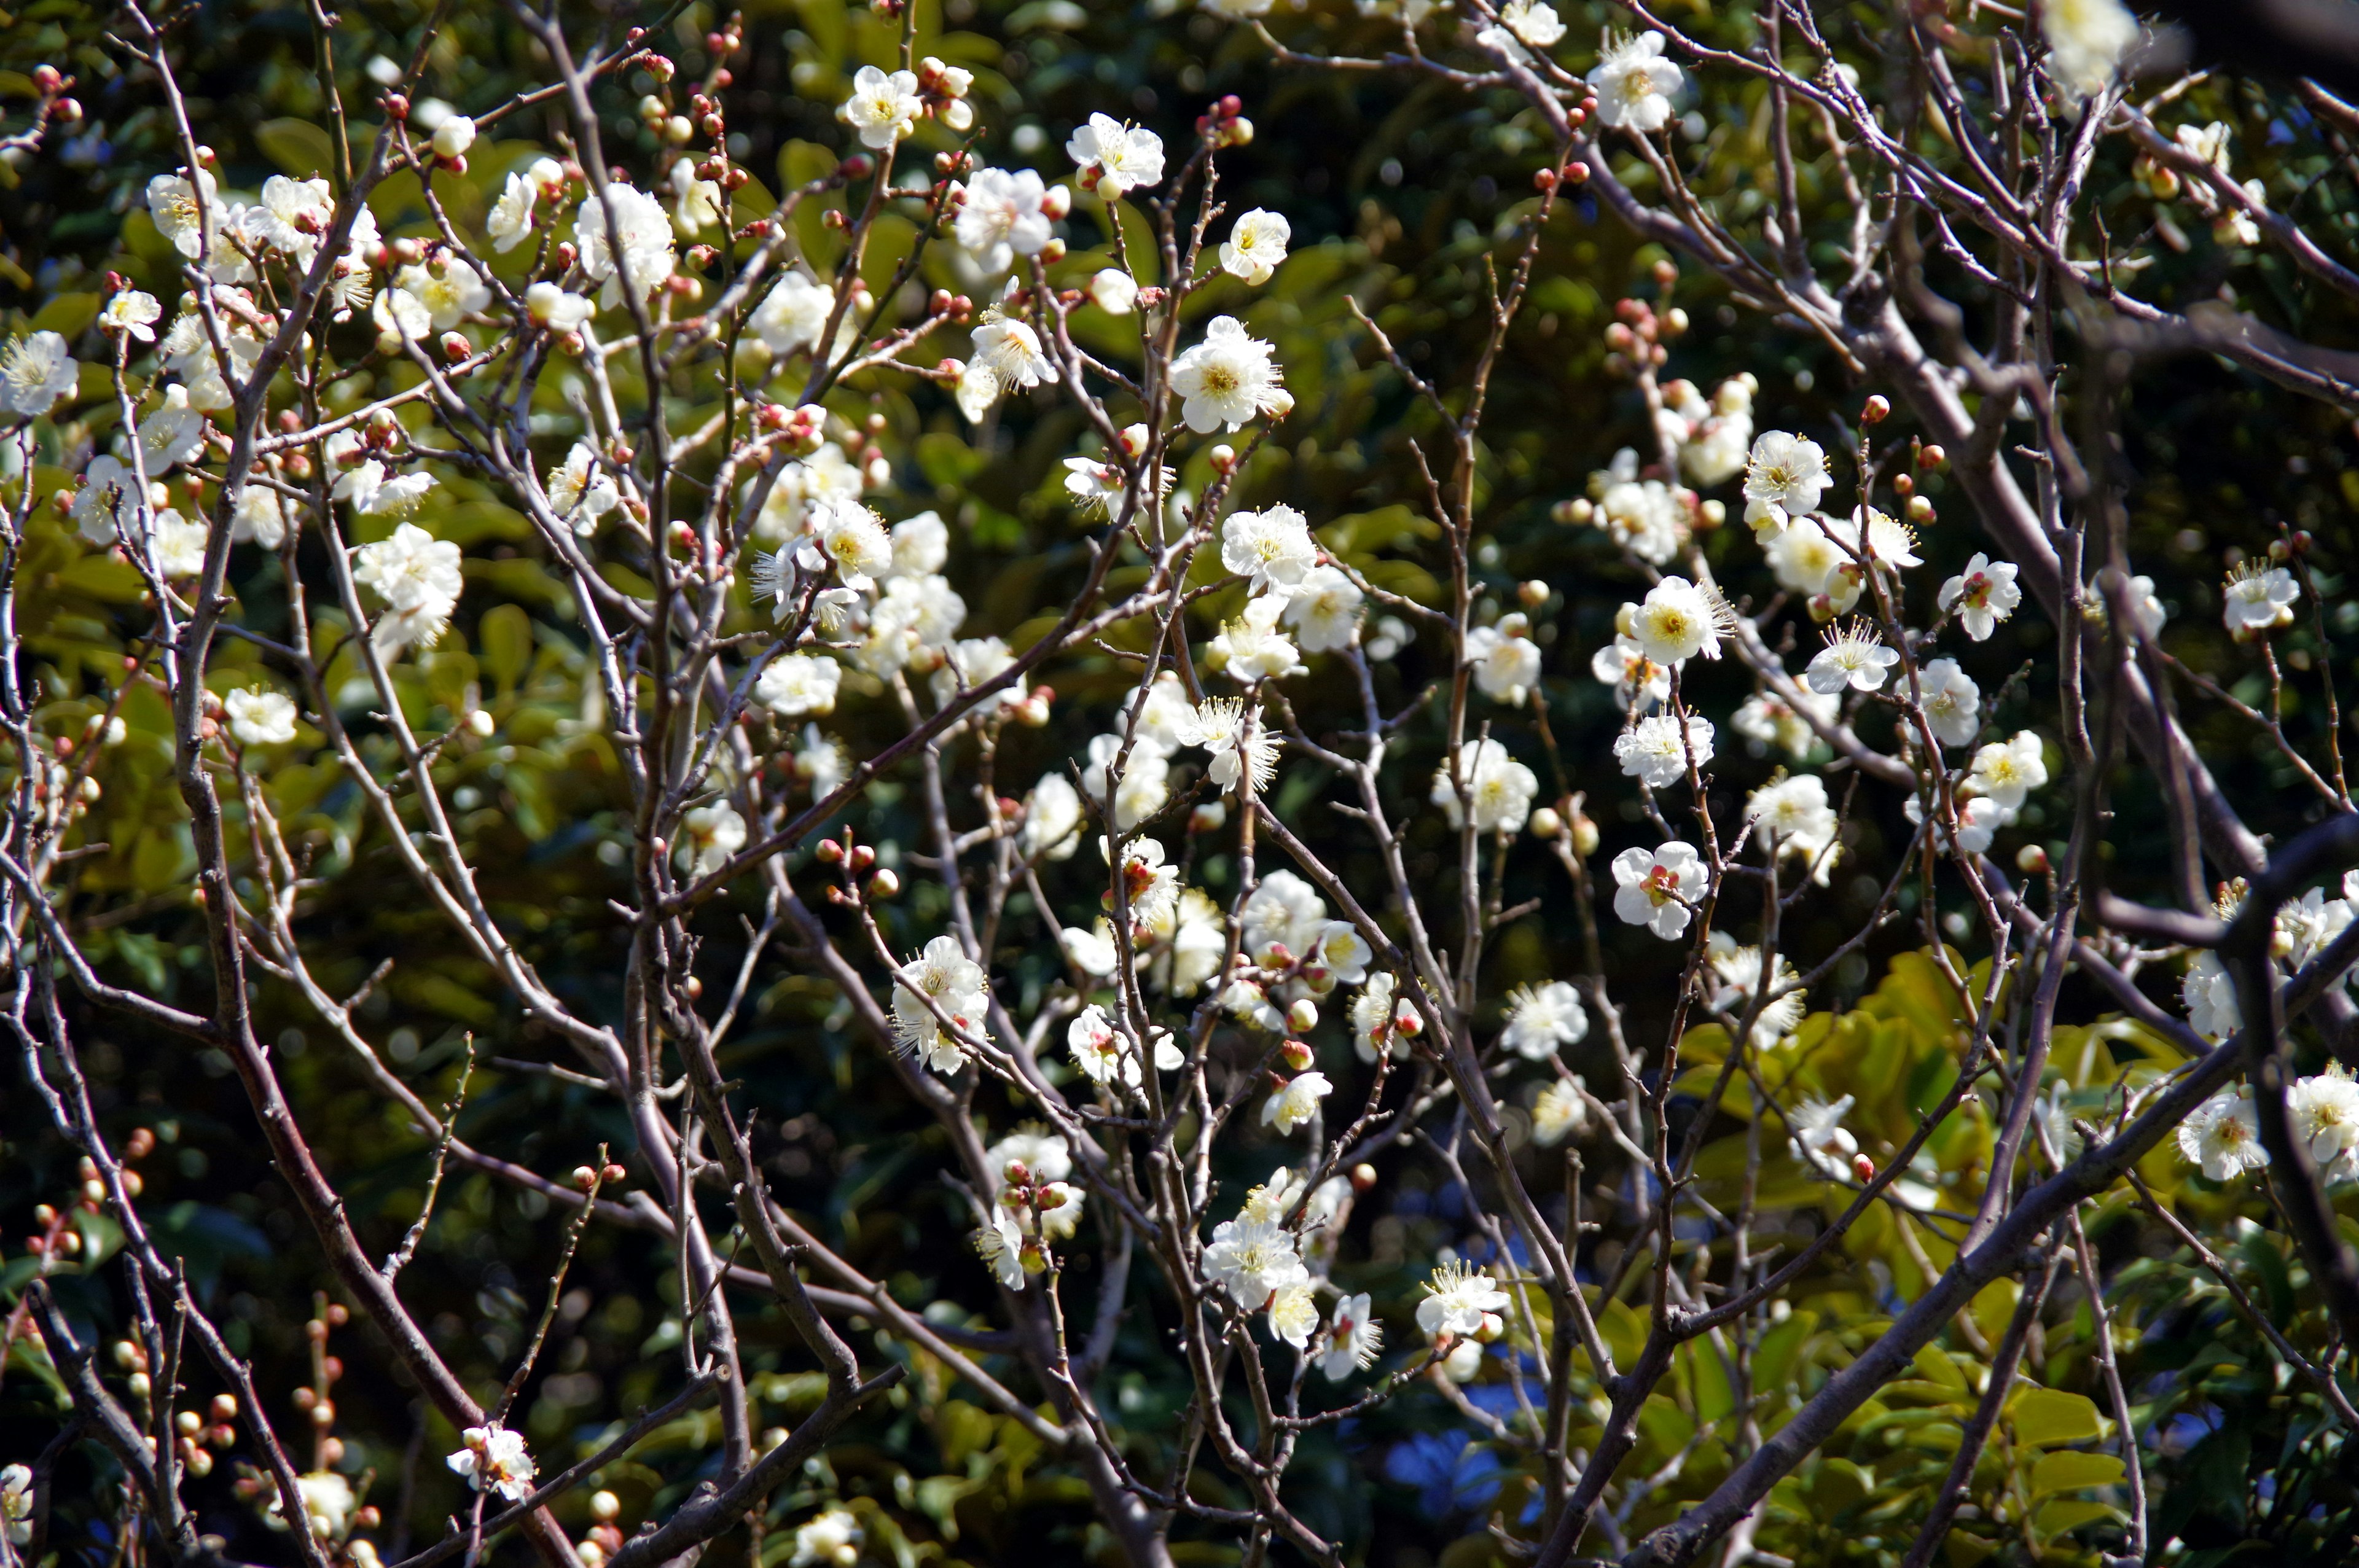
(888, 641)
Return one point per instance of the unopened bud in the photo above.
(1297, 1055)
(1877, 409)
(1863, 1167)
(1363, 1177)
(1919, 509)
(584, 1177)
(1546, 823)
(2031, 859)
(885, 883)
(611, 1175)
(1302, 1016)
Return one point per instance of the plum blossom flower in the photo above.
(449, 289)
(2007, 771)
(581, 490)
(1979, 820)
(1983, 595)
(1252, 1259)
(943, 974)
(646, 238)
(884, 106)
(1633, 83)
(1114, 291)
(2324, 1111)
(794, 314)
(259, 716)
(1560, 1112)
(1817, 1137)
(1004, 216)
(510, 222)
(1115, 158)
(1010, 351)
(1784, 478)
(1252, 648)
(1543, 1019)
(2259, 597)
(1506, 661)
(1294, 1314)
(794, 685)
(831, 1539)
(2145, 608)
(36, 375)
(1227, 378)
(1240, 746)
(1766, 719)
(1457, 1299)
(1638, 681)
(555, 308)
(494, 1459)
(1052, 820)
(1499, 789)
(1736, 980)
(1656, 751)
(417, 577)
(1272, 549)
(16, 1502)
(2211, 996)
(180, 212)
(1354, 1338)
(172, 435)
(1255, 246)
(1101, 1052)
(1296, 1103)
(1656, 887)
(1794, 815)
(1534, 22)
(1325, 611)
(2086, 40)
(1678, 620)
(2222, 1137)
(1952, 702)
(132, 313)
(1855, 656)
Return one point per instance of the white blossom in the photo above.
(794, 685)
(1324, 608)
(884, 106)
(1983, 595)
(1354, 1338)
(1297, 1103)
(2222, 1137)
(1952, 702)
(1784, 478)
(2007, 771)
(955, 986)
(1255, 246)
(1002, 217)
(1506, 661)
(1272, 549)
(1252, 648)
(1678, 620)
(132, 313)
(1227, 378)
(1115, 158)
(1794, 815)
(494, 1459)
(1855, 656)
(36, 375)
(1499, 789)
(1560, 1112)
(1252, 1259)
(1658, 750)
(259, 716)
(709, 835)
(1657, 888)
(1052, 819)
(2259, 597)
(1456, 1299)
(831, 1539)
(1543, 1019)
(1633, 83)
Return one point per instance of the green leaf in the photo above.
(2071, 1472)
(68, 315)
(2045, 1417)
(504, 636)
(298, 146)
(2060, 1514)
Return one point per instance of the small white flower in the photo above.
(1658, 753)
(495, 1460)
(1983, 595)
(832, 1540)
(1002, 217)
(132, 313)
(1499, 789)
(1010, 351)
(36, 373)
(2007, 771)
(2222, 1137)
(1354, 1338)
(1227, 378)
(1325, 611)
(647, 237)
(553, 307)
(1541, 1021)
(884, 107)
(1252, 1259)
(1784, 479)
(1114, 291)
(2259, 597)
(172, 201)
(1272, 549)
(793, 315)
(581, 490)
(1506, 661)
(794, 685)
(1115, 158)
(2086, 40)
(1767, 719)
(1737, 973)
(1656, 887)
(1456, 1298)
(2211, 998)
(1678, 620)
(448, 290)
(1638, 681)
(1252, 648)
(259, 517)
(853, 539)
(1298, 1102)
(1855, 656)
(259, 716)
(1101, 1052)
(1255, 246)
(709, 835)
(453, 136)
(2146, 608)
(510, 223)
(1052, 819)
(1793, 813)
(1817, 1138)
(1979, 820)
(1952, 702)
(1533, 21)
(419, 579)
(2325, 1113)
(697, 204)
(16, 1503)
(1294, 1314)
(1633, 83)
(1560, 1112)
(173, 435)
(1240, 746)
